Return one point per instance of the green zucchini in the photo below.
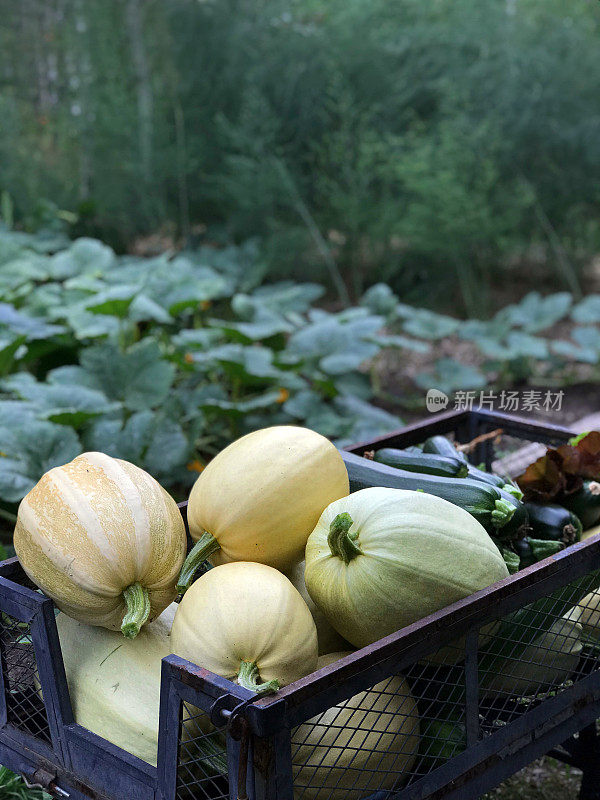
(426, 463)
(530, 551)
(439, 445)
(500, 513)
(553, 522)
(477, 474)
(585, 503)
(444, 447)
(441, 739)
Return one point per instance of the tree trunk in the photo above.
(145, 99)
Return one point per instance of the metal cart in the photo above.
(470, 737)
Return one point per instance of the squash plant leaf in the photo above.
(29, 450)
(67, 404)
(22, 324)
(450, 375)
(140, 378)
(83, 256)
(588, 310)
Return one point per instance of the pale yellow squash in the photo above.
(260, 497)
(246, 622)
(104, 540)
(381, 559)
(114, 685)
(362, 745)
(329, 639)
(589, 617)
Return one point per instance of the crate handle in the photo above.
(42, 779)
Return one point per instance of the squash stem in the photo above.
(341, 542)
(502, 513)
(249, 678)
(204, 547)
(138, 609)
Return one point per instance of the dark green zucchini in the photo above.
(426, 463)
(501, 514)
(444, 447)
(530, 551)
(439, 445)
(585, 503)
(477, 474)
(553, 522)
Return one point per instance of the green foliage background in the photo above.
(423, 144)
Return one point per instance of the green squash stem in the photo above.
(249, 678)
(502, 513)
(204, 547)
(138, 609)
(341, 542)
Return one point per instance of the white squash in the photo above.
(260, 497)
(362, 745)
(547, 662)
(104, 540)
(329, 639)
(589, 614)
(114, 685)
(381, 559)
(246, 622)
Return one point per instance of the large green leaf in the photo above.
(22, 324)
(113, 302)
(148, 439)
(535, 313)
(30, 450)
(428, 325)
(588, 310)
(380, 299)
(264, 325)
(339, 343)
(83, 256)
(65, 403)
(450, 375)
(365, 420)
(140, 378)
(586, 347)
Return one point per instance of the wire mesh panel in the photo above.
(24, 704)
(540, 650)
(385, 737)
(202, 765)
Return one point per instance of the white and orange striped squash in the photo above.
(104, 540)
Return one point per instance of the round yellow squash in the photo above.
(261, 496)
(363, 745)
(382, 559)
(104, 540)
(246, 622)
(329, 639)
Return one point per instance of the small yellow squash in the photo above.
(363, 745)
(261, 496)
(104, 540)
(246, 622)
